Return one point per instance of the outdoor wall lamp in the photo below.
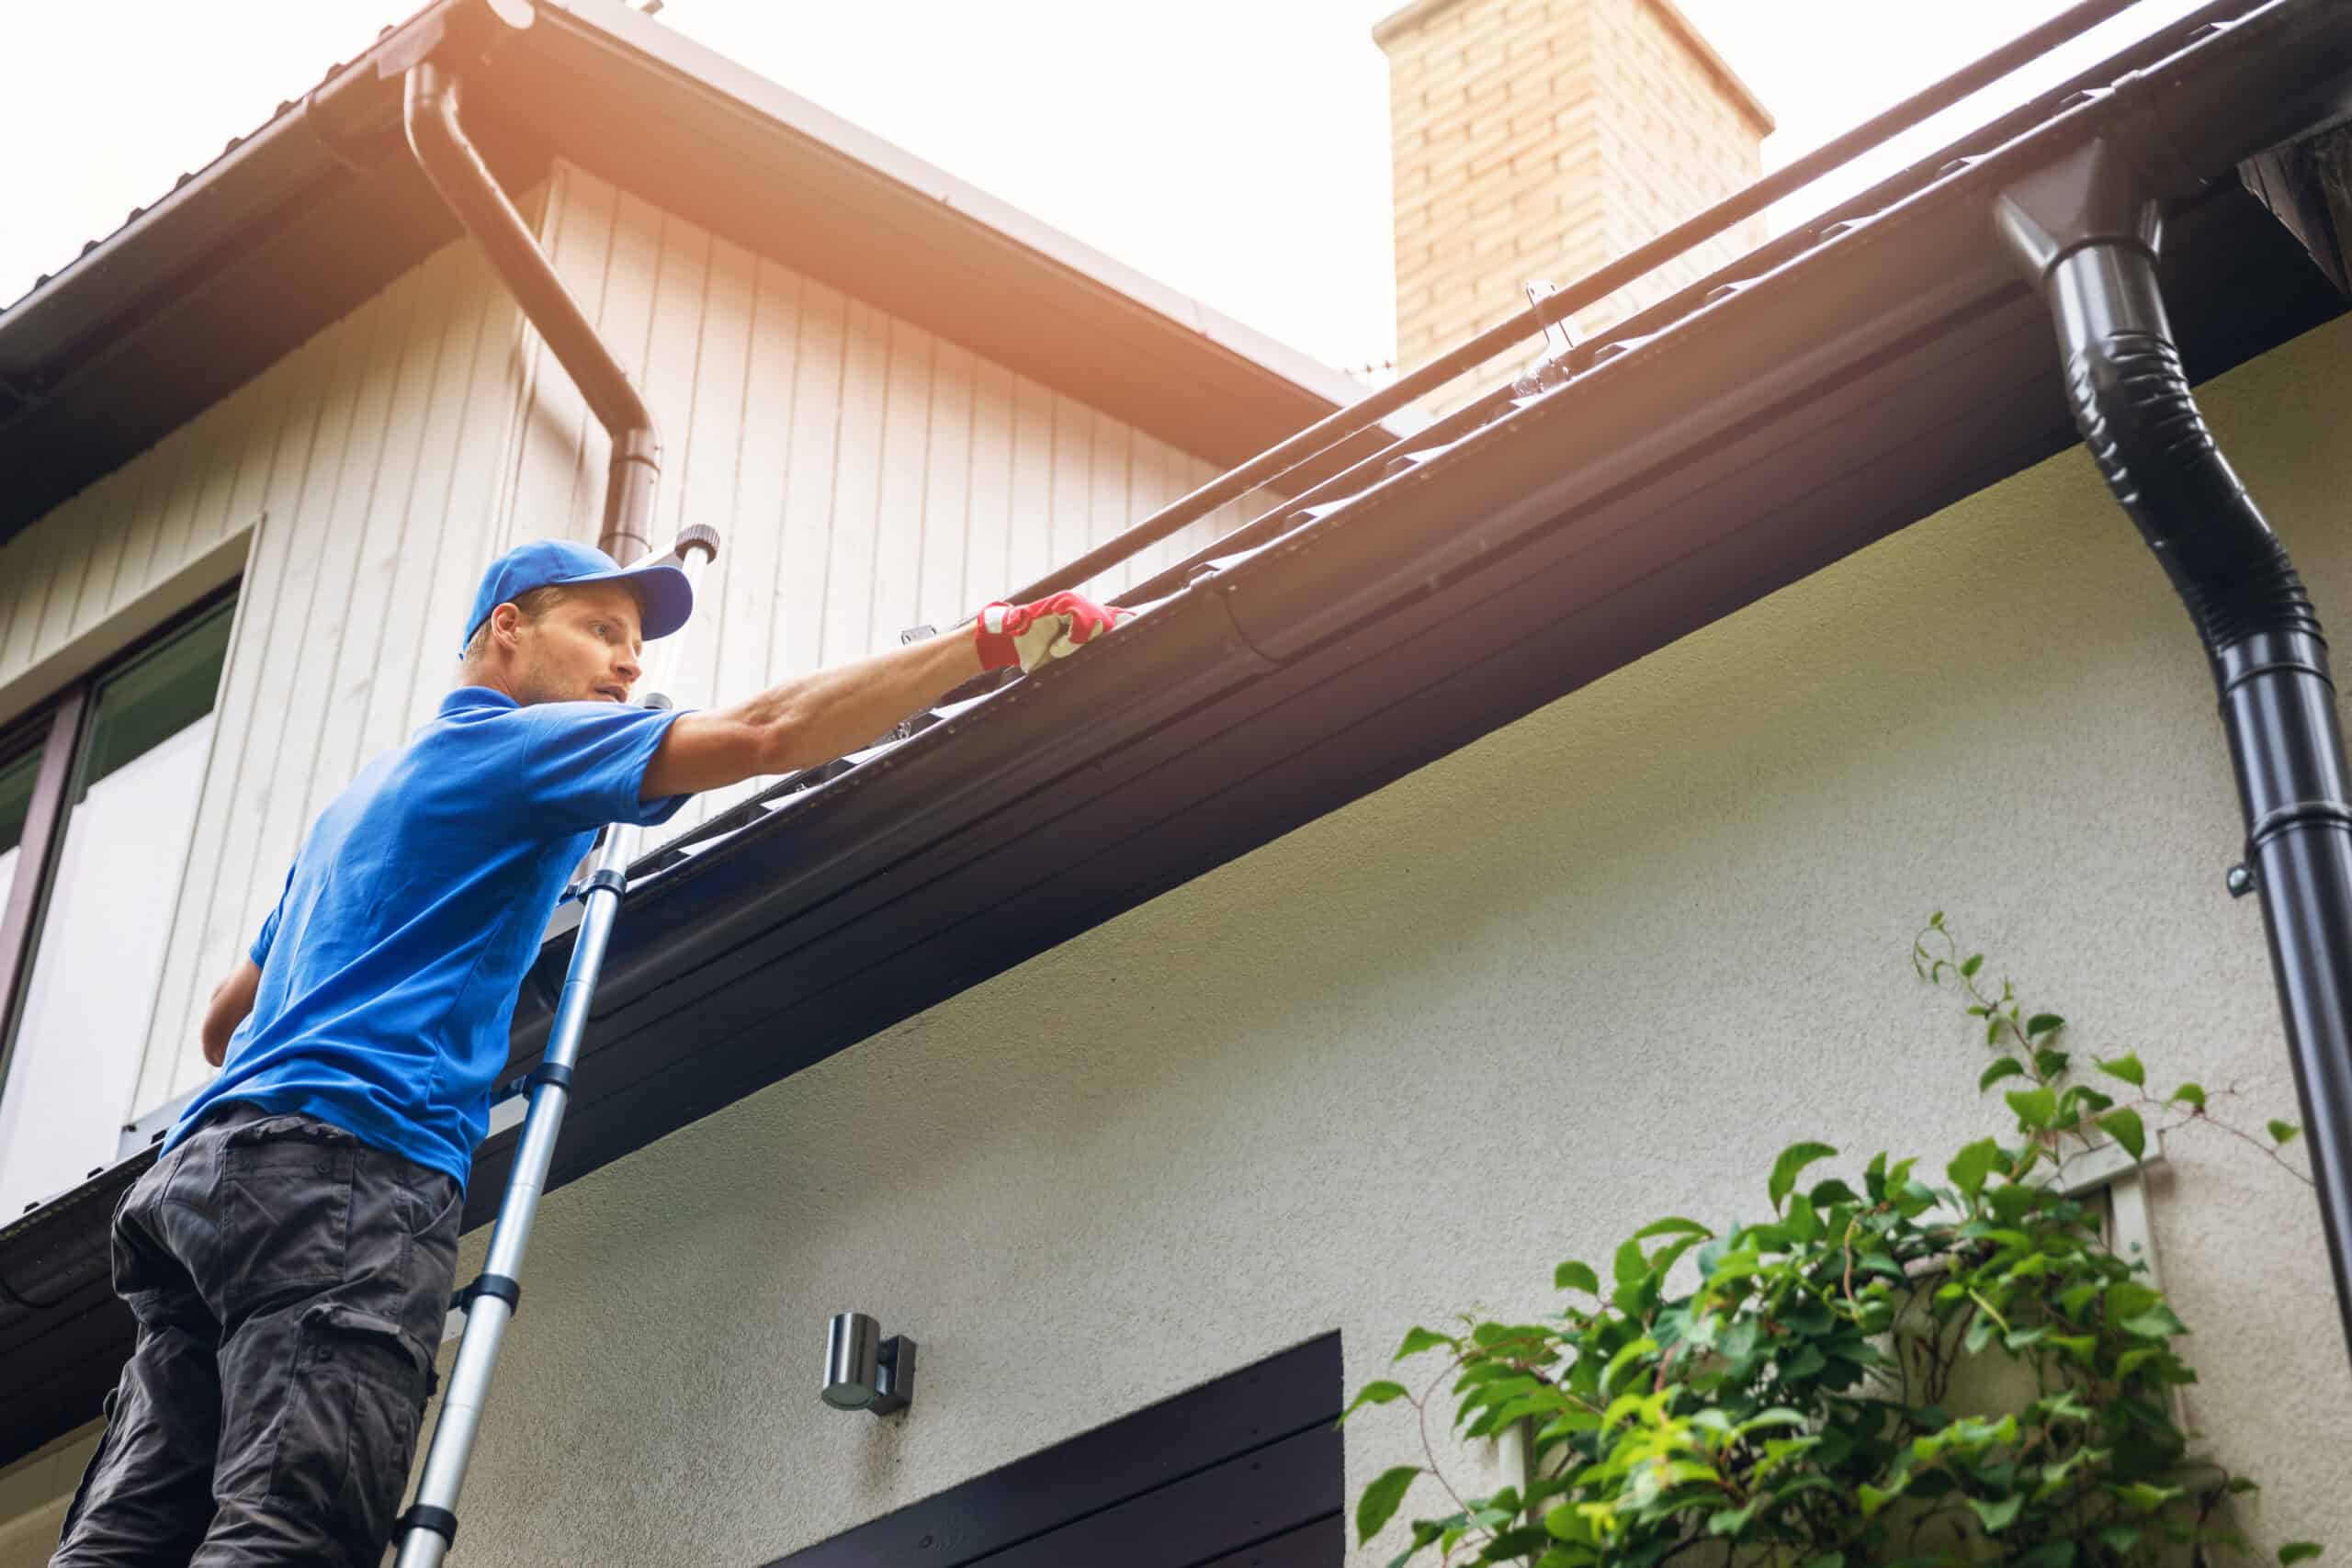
(865, 1372)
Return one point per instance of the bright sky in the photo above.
(1236, 149)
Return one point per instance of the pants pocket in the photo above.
(347, 1434)
(287, 1209)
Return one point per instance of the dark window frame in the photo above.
(60, 725)
(1166, 1477)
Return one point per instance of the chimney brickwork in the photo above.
(1541, 139)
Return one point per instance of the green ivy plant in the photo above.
(1805, 1400)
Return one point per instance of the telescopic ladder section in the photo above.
(429, 1528)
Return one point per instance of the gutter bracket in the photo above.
(471, 29)
(411, 47)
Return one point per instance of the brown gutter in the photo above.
(465, 183)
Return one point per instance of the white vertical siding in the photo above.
(867, 475)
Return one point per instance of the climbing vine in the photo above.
(1805, 1398)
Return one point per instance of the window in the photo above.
(97, 798)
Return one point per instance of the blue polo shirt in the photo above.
(390, 966)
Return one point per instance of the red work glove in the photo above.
(1053, 627)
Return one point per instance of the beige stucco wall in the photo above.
(1658, 927)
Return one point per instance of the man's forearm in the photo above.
(824, 715)
(829, 713)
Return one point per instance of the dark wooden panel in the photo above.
(1323, 1544)
(1214, 1514)
(1259, 1445)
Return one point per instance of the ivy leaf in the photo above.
(2284, 1132)
(1794, 1159)
(1626, 1360)
(1972, 1165)
(2127, 1067)
(1731, 1521)
(2050, 1062)
(2124, 1127)
(2298, 1550)
(1998, 1517)
(1381, 1500)
(1565, 1523)
(1373, 1393)
(1971, 963)
(1418, 1340)
(2034, 1107)
(2007, 1067)
(1574, 1275)
(2044, 1024)
(2158, 1322)
(1671, 1225)
(2190, 1094)
(2144, 1498)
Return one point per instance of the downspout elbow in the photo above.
(2090, 245)
(458, 172)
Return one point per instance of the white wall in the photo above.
(1659, 928)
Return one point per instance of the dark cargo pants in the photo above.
(289, 1284)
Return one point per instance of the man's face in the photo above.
(584, 648)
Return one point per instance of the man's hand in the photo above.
(233, 999)
(1052, 627)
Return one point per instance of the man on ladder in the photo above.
(289, 1258)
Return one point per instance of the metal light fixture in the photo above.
(865, 1372)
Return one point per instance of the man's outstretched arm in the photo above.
(817, 717)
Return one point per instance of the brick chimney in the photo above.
(1540, 139)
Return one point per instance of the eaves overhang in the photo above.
(1828, 390)
(297, 224)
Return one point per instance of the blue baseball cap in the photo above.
(668, 599)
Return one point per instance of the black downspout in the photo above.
(458, 172)
(2086, 233)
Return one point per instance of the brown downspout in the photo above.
(458, 172)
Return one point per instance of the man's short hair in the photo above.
(533, 602)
